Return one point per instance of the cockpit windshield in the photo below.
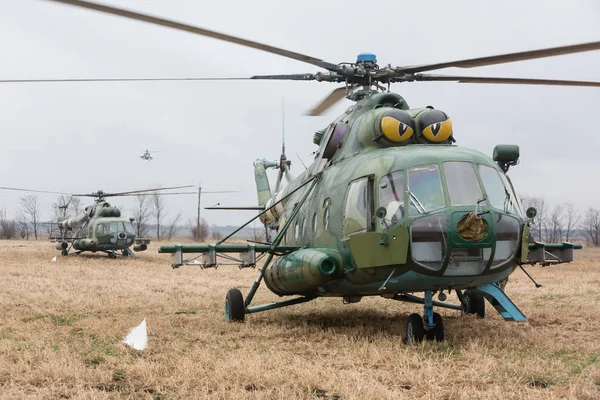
(109, 228)
(425, 189)
(128, 227)
(463, 186)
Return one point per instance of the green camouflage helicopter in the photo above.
(390, 206)
(100, 228)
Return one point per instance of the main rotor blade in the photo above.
(33, 190)
(196, 193)
(287, 77)
(329, 101)
(201, 31)
(292, 77)
(117, 79)
(234, 208)
(509, 81)
(144, 191)
(506, 58)
(130, 192)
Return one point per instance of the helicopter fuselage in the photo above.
(399, 219)
(100, 228)
(431, 254)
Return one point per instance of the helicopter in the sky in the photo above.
(390, 205)
(147, 156)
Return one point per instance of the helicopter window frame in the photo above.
(366, 214)
(326, 213)
(315, 221)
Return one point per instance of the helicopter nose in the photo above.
(464, 244)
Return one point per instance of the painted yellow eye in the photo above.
(438, 131)
(395, 130)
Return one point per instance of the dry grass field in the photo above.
(62, 323)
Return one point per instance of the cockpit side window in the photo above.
(128, 227)
(326, 205)
(101, 230)
(391, 197)
(463, 186)
(514, 201)
(499, 194)
(425, 189)
(357, 213)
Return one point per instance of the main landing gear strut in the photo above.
(431, 325)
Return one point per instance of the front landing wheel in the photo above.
(414, 329)
(234, 306)
(437, 333)
(475, 303)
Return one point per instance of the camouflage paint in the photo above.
(365, 152)
(373, 253)
(85, 234)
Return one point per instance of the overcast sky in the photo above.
(78, 137)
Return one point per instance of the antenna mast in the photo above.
(198, 219)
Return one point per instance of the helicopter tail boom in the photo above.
(263, 188)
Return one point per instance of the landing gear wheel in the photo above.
(475, 303)
(436, 333)
(112, 255)
(414, 329)
(127, 253)
(64, 252)
(234, 306)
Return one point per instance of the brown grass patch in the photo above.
(62, 323)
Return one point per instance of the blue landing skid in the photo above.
(497, 298)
